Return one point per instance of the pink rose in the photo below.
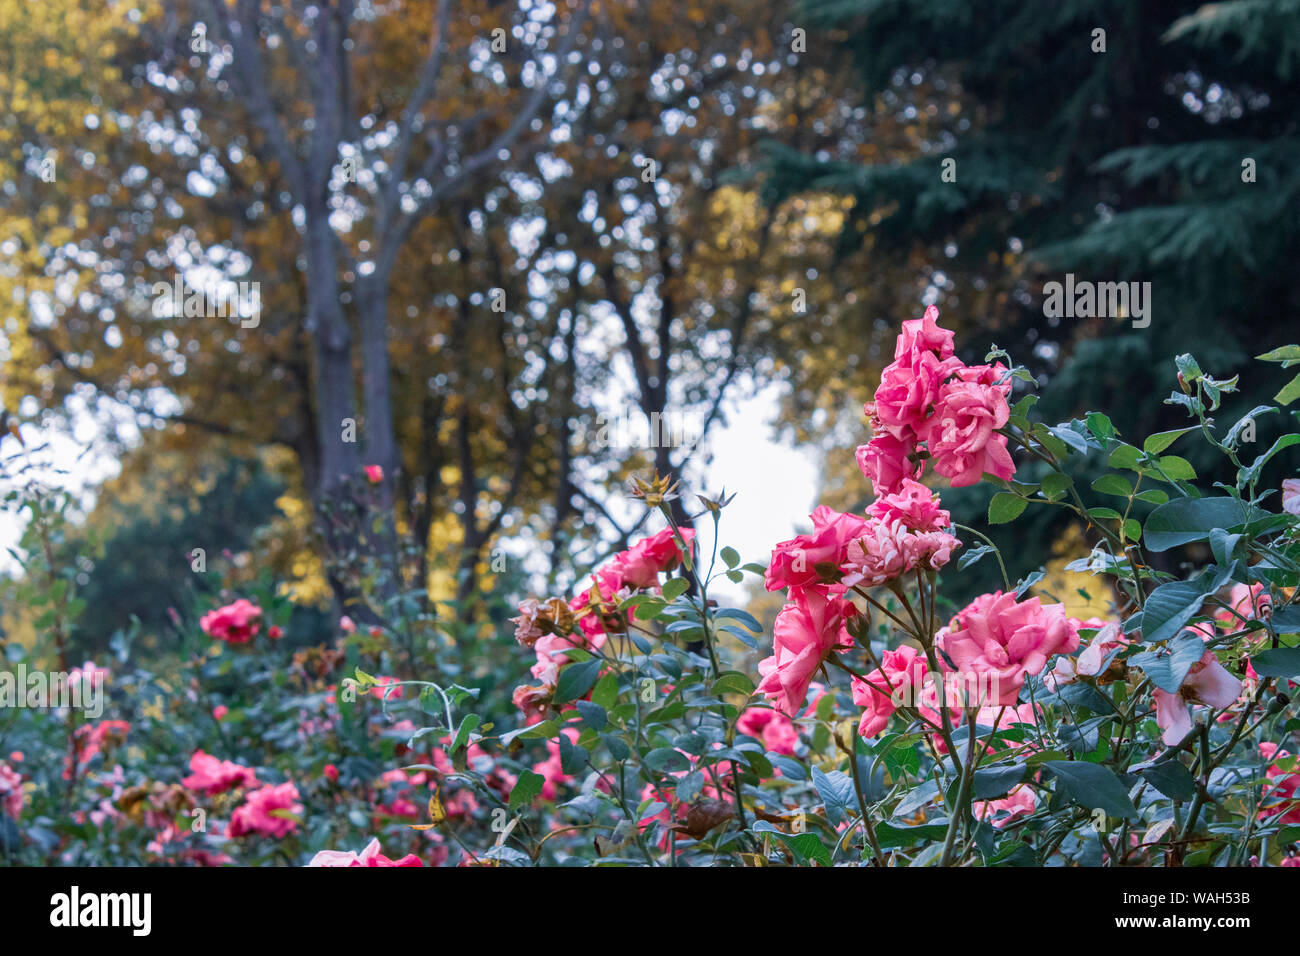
(609, 586)
(1280, 791)
(11, 791)
(995, 642)
(255, 815)
(915, 505)
(776, 731)
(235, 623)
(961, 436)
(1020, 801)
(527, 630)
(806, 632)
(1291, 496)
(374, 474)
(924, 335)
(908, 391)
(885, 551)
(641, 564)
(212, 776)
(884, 462)
(1248, 603)
(370, 856)
(897, 682)
(814, 558)
(1208, 682)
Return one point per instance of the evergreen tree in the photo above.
(1149, 142)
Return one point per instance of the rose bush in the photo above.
(876, 722)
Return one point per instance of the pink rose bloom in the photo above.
(1089, 663)
(884, 462)
(1021, 801)
(962, 437)
(255, 814)
(212, 776)
(806, 632)
(885, 551)
(1208, 682)
(11, 791)
(1279, 794)
(908, 392)
(374, 474)
(235, 623)
(795, 562)
(1291, 500)
(533, 701)
(924, 335)
(774, 729)
(527, 630)
(641, 564)
(370, 856)
(915, 505)
(609, 584)
(995, 642)
(1251, 602)
(897, 682)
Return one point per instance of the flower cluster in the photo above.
(553, 626)
(236, 623)
(929, 397)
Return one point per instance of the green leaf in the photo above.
(891, 836)
(837, 793)
(1192, 519)
(1287, 353)
(1100, 425)
(675, 588)
(1251, 474)
(1188, 367)
(527, 788)
(667, 760)
(546, 729)
(1168, 671)
(1172, 779)
(1125, 456)
(732, 682)
(1158, 442)
(1055, 485)
(993, 782)
(1005, 507)
(1289, 393)
(1175, 468)
(593, 715)
(1113, 485)
(467, 725)
(605, 693)
(1093, 786)
(1277, 662)
(807, 846)
(575, 680)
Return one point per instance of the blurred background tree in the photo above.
(1115, 141)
